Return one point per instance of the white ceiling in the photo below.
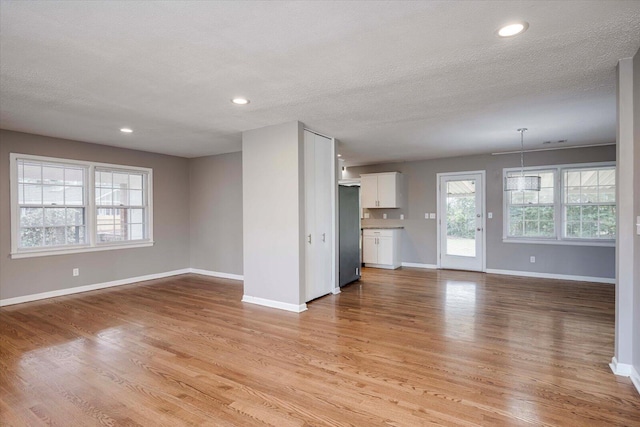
(391, 80)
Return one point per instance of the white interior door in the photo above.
(461, 221)
(318, 215)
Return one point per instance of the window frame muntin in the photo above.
(91, 245)
(559, 206)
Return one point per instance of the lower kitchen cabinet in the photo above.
(381, 248)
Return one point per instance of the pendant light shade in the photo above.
(522, 182)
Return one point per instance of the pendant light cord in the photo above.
(522, 131)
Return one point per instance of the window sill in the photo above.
(80, 250)
(608, 244)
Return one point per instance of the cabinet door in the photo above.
(385, 250)
(369, 250)
(369, 191)
(387, 191)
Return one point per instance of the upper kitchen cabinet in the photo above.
(381, 190)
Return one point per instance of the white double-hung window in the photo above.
(61, 206)
(576, 204)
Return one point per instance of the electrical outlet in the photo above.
(401, 216)
(532, 259)
(490, 215)
(366, 215)
(384, 216)
(76, 271)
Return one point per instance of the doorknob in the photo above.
(309, 237)
(323, 237)
(478, 229)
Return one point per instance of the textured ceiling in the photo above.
(391, 80)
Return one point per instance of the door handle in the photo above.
(309, 238)
(478, 229)
(323, 237)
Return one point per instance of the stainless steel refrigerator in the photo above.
(349, 233)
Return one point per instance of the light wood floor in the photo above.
(403, 348)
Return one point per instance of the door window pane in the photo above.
(461, 218)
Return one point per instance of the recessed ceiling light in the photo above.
(125, 130)
(514, 29)
(240, 101)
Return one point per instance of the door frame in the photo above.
(439, 209)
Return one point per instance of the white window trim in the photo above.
(91, 245)
(558, 204)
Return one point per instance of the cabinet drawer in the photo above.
(373, 232)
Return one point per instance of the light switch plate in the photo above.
(426, 216)
(432, 216)
(490, 215)
(384, 216)
(401, 216)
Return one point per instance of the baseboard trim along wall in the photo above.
(87, 288)
(635, 378)
(216, 274)
(552, 276)
(128, 281)
(274, 304)
(418, 265)
(626, 370)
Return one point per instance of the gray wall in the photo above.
(273, 202)
(419, 239)
(27, 276)
(215, 220)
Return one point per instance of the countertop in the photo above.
(391, 227)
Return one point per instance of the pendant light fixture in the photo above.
(522, 182)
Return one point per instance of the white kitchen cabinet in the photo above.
(381, 248)
(381, 190)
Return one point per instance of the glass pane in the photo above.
(546, 180)
(545, 195)
(105, 232)
(74, 176)
(572, 195)
(54, 236)
(461, 218)
(135, 198)
(137, 215)
(32, 173)
(75, 235)
(120, 180)
(531, 213)
(516, 228)
(54, 216)
(589, 229)
(136, 232)
(607, 194)
(572, 179)
(73, 196)
(117, 197)
(573, 213)
(32, 194)
(589, 213)
(135, 182)
(75, 216)
(52, 175)
(530, 197)
(546, 213)
(517, 197)
(607, 177)
(104, 196)
(572, 229)
(31, 217)
(104, 179)
(547, 229)
(589, 195)
(31, 237)
(531, 228)
(588, 178)
(52, 194)
(20, 171)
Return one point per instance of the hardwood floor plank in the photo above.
(403, 348)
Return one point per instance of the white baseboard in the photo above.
(552, 276)
(336, 291)
(635, 378)
(418, 265)
(86, 288)
(275, 304)
(216, 274)
(621, 369)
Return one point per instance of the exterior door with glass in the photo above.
(461, 221)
